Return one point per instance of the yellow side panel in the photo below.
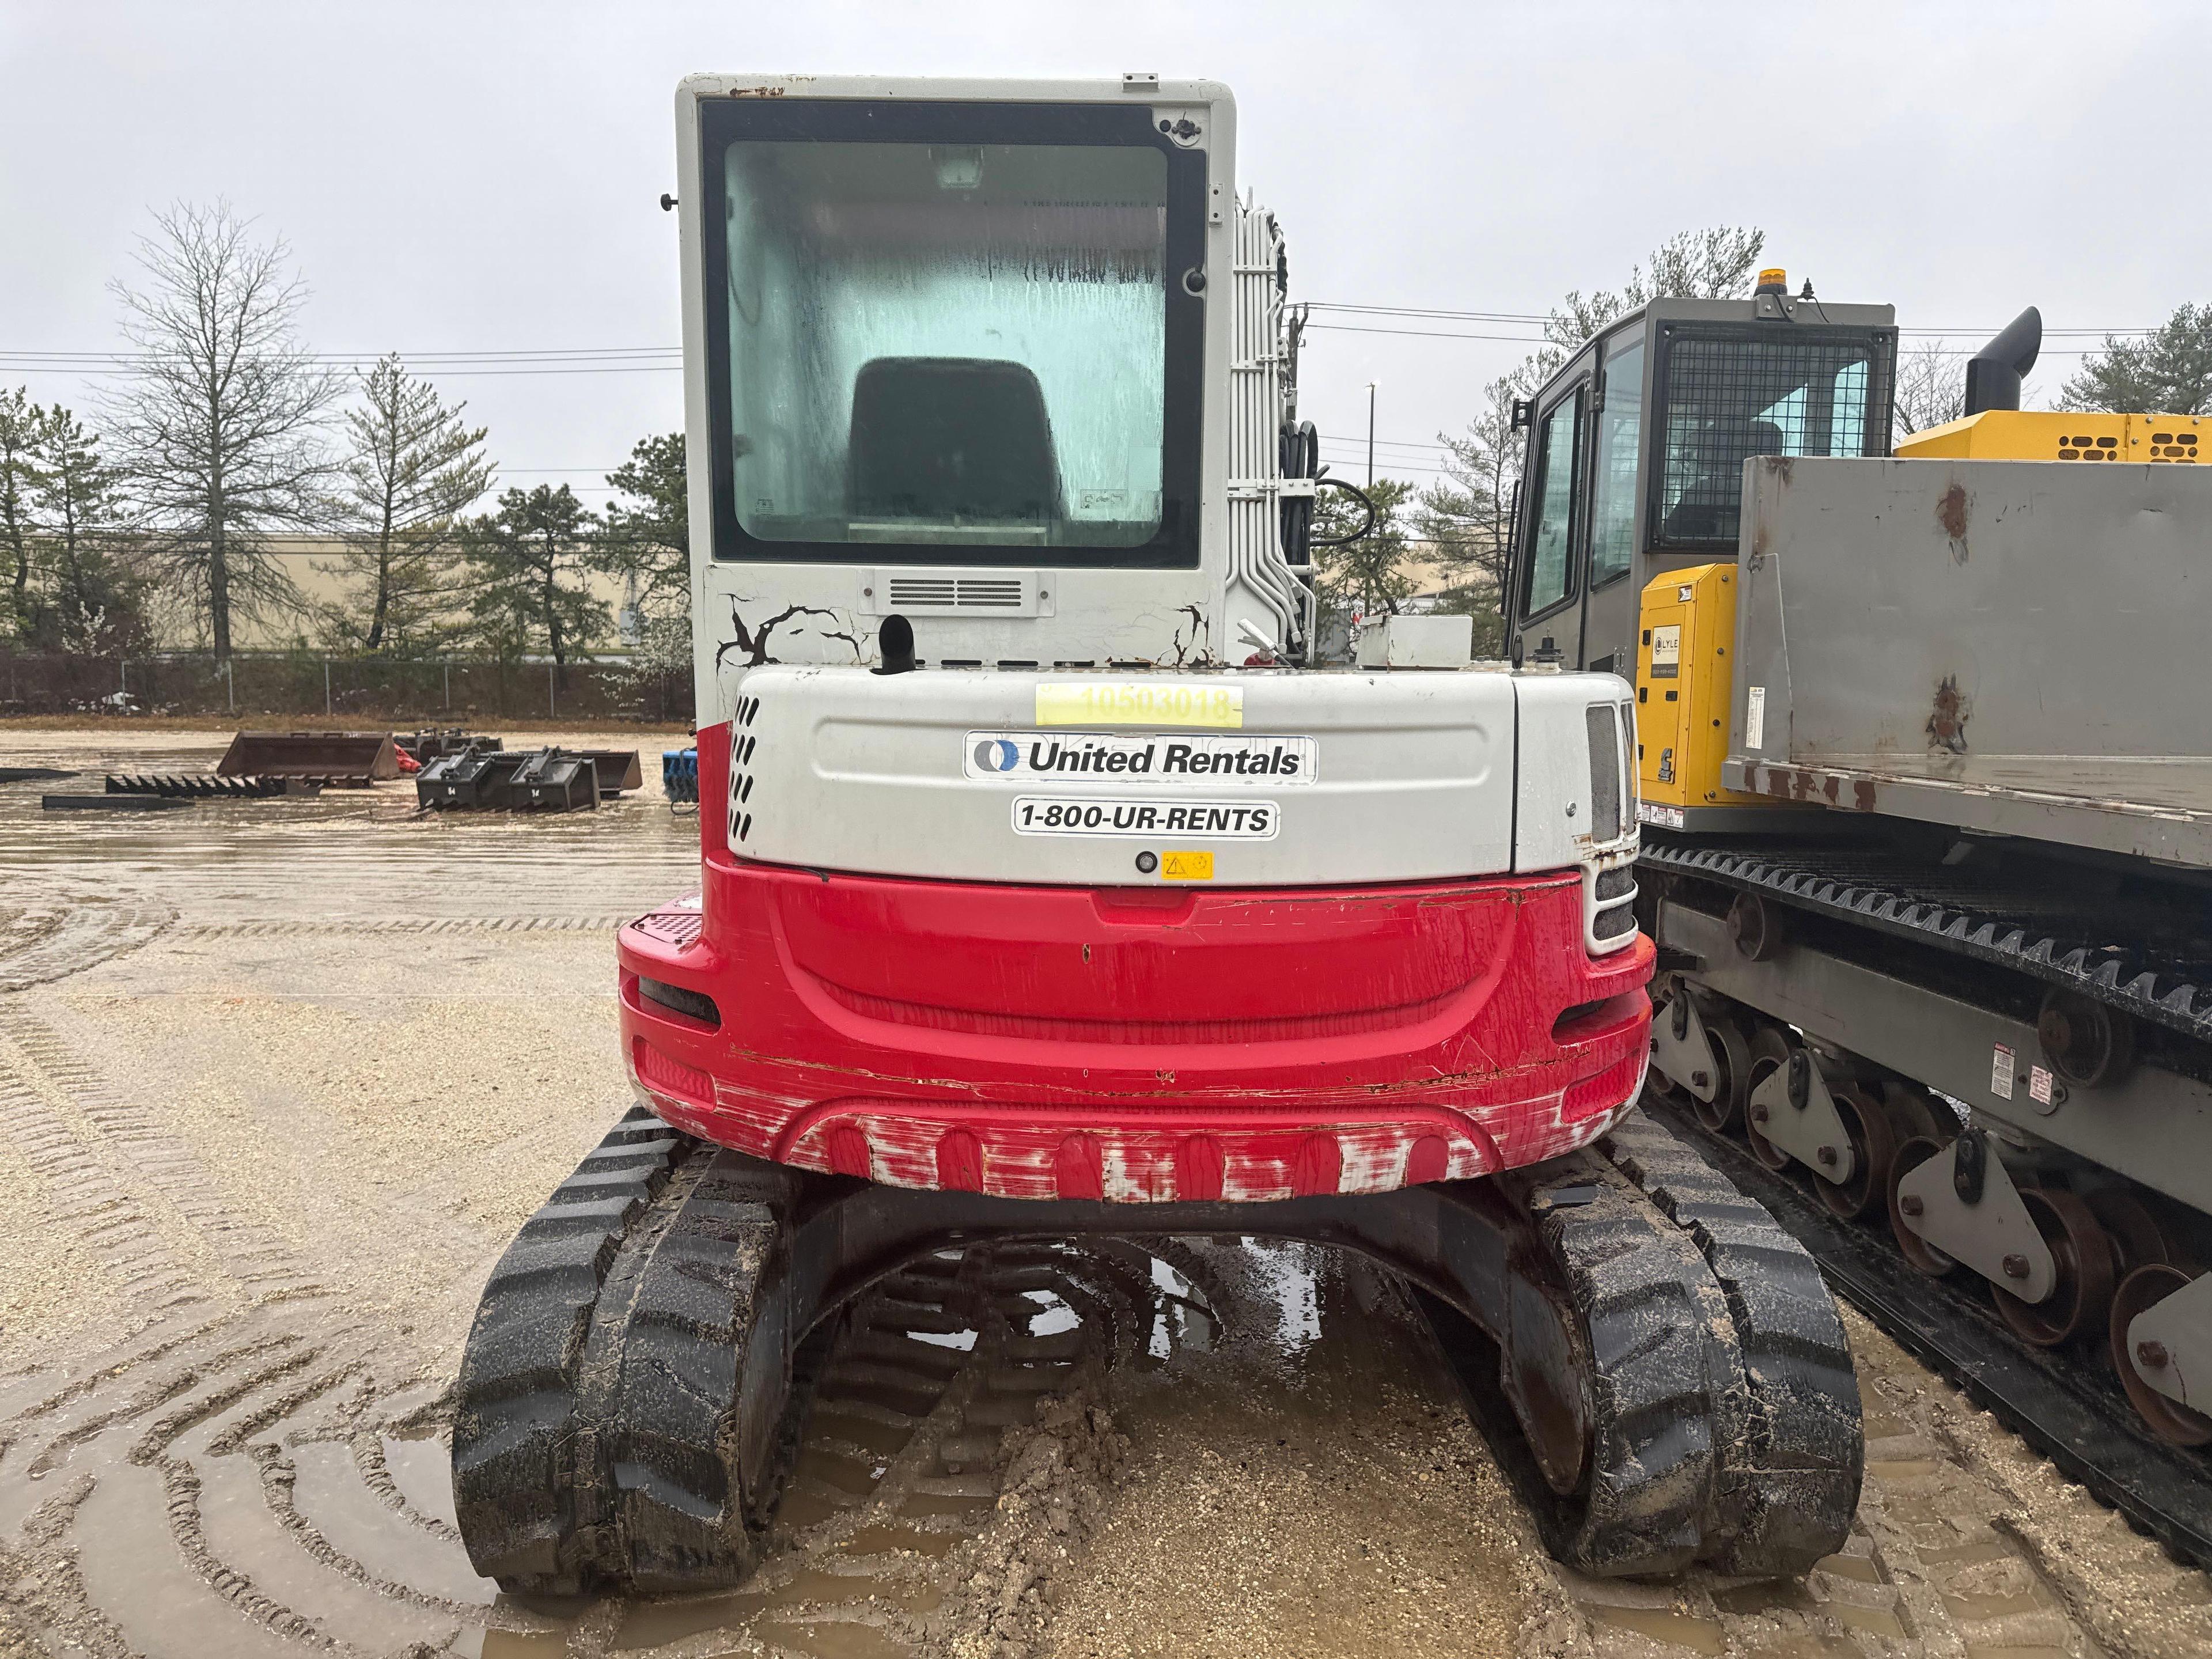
(1683, 677)
(2042, 434)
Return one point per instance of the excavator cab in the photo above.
(1636, 449)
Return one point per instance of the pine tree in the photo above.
(19, 423)
(529, 560)
(412, 469)
(94, 593)
(2168, 372)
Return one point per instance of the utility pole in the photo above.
(1370, 435)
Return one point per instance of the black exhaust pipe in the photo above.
(1994, 372)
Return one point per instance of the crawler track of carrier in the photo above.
(1668, 1378)
(2061, 1372)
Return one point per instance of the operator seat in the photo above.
(952, 439)
(1708, 508)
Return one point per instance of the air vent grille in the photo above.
(743, 739)
(937, 593)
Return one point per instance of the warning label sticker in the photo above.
(1224, 820)
(2000, 1073)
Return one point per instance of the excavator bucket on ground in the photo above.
(353, 759)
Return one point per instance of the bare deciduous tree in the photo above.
(221, 428)
(1469, 514)
(1931, 387)
(412, 469)
(1714, 264)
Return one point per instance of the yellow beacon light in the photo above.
(1773, 280)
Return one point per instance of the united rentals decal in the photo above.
(1150, 757)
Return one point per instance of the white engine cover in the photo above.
(1284, 778)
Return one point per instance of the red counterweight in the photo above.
(1130, 1044)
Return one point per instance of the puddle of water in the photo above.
(422, 1469)
(958, 1506)
(515, 1645)
(832, 1641)
(1057, 1318)
(964, 1341)
(370, 853)
(1284, 1271)
(652, 1625)
(1679, 1630)
(1764, 1597)
(885, 1539)
(800, 1509)
(907, 1402)
(328, 1493)
(1880, 1621)
(846, 1475)
(1964, 1607)
(243, 1534)
(882, 1438)
(1860, 1568)
(134, 1574)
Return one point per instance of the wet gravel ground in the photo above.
(277, 1080)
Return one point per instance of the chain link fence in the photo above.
(397, 689)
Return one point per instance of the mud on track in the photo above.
(277, 1081)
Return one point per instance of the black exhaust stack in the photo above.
(1994, 372)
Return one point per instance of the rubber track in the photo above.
(2054, 944)
(2086, 1428)
(1789, 1482)
(1663, 1374)
(518, 1432)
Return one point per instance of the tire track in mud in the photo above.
(1966, 1545)
(142, 1194)
(53, 929)
(273, 1480)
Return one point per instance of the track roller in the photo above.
(2078, 1302)
(1770, 1052)
(1919, 1255)
(619, 1411)
(2169, 1420)
(1868, 1122)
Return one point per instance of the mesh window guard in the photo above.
(1729, 394)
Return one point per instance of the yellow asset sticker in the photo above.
(1186, 866)
(1126, 702)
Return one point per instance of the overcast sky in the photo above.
(458, 178)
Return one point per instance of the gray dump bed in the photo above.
(2014, 647)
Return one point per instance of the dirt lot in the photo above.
(277, 1080)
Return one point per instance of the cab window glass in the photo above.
(1613, 488)
(1549, 541)
(1729, 393)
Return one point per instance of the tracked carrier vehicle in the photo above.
(1046, 892)
(1926, 765)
